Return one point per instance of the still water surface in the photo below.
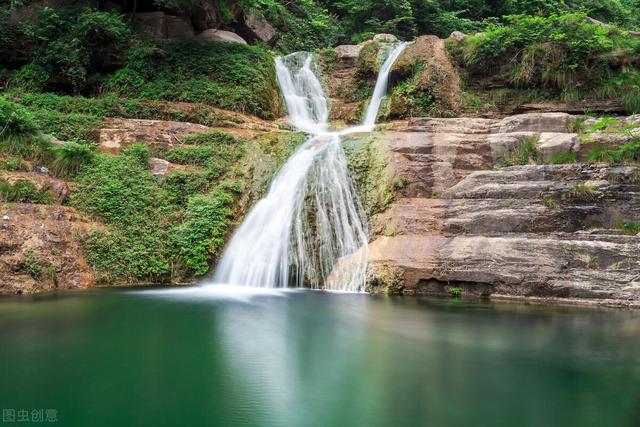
(196, 357)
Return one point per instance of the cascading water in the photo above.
(309, 229)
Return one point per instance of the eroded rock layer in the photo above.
(463, 219)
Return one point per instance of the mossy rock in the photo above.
(369, 165)
(424, 81)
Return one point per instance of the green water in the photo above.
(190, 358)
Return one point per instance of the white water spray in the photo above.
(309, 229)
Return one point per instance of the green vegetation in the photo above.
(70, 158)
(110, 105)
(23, 191)
(582, 191)
(67, 47)
(226, 75)
(561, 53)
(455, 292)
(149, 225)
(524, 153)
(626, 153)
(368, 165)
(562, 158)
(31, 266)
(631, 228)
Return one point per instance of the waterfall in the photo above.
(309, 230)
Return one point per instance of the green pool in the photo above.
(203, 357)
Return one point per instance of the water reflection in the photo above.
(193, 357)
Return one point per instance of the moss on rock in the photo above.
(426, 83)
(369, 165)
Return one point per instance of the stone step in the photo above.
(568, 265)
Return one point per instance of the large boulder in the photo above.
(217, 36)
(555, 143)
(385, 38)
(150, 24)
(160, 26)
(204, 15)
(348, 52)
(458, 36)
(256, 28)
(179, 28)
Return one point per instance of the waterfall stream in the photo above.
(309, 230)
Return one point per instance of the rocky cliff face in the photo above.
(462, 223)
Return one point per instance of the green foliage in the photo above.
(180, 185)
(31, 266)
(110, 105)
(304, 25)
(629, 227)
(562, 158)
(159, 231)
(212, 137)
(455, 292)
(23, 191)
(31, 77)
(201, 235)
(70, 158)
(70, 44)
(226, 75)
(13, 163)
(28, 147)
(15, 120)
(560, 52)
(524, 153)
(116, 189)
(68, 126)
(626, 153)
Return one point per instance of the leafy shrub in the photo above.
(137, 152)
(227, 75)
(626, 153)
(525, 152)
(13, 163)
(180, 185)
(212, 137)
(563, 52)
(201, 235)
(116, 189)
(31, 77)
(71, 44)
(23, 191)
(31, 265)
(70, 158)
(15, 120)
(68, 126)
